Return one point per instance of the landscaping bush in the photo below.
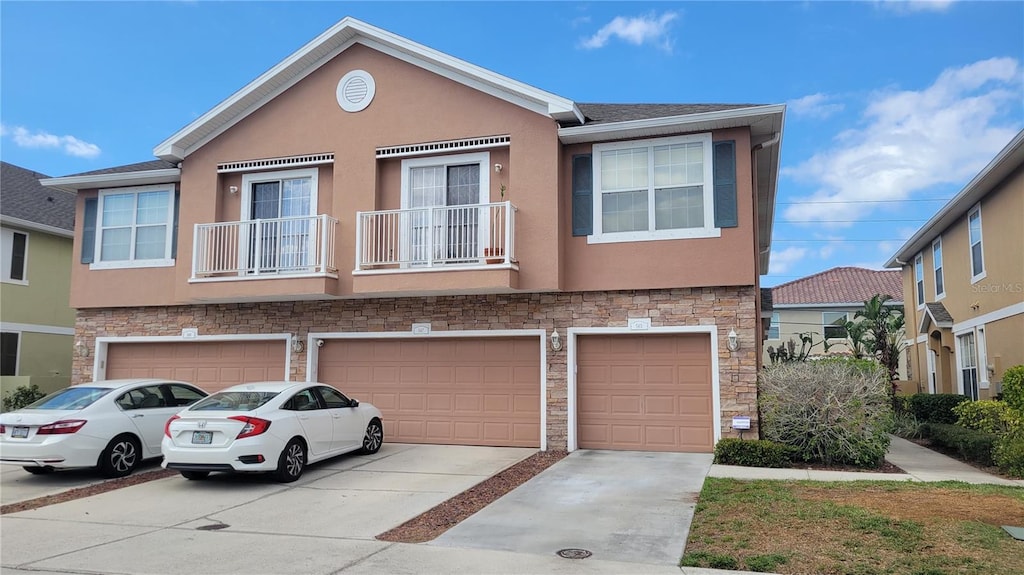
(1008, 453)
(21, 396)
(971, 444)
(937, 407)
(753, 453)
(987, 415)
(830, 411)
(1013, 387)
(905, 425)
(901, 404)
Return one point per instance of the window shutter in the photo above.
(725, 185)
(89, 230)
(174, 232)
(582, 195)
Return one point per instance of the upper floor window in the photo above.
(940, 290)
(9, 353)
(919, 279)
(135, 227)
(13, 256)
(773, 329)
(977, 257)
(653, 189)
(833, 324)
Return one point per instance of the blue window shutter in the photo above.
(725, 184)
(174, 232)
(89, 230)
(582, 195)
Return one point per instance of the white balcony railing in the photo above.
(265, 247)
(467, 235)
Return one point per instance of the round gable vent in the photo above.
(356, 90)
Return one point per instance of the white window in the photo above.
(9, 341)
(983, 381)
(773, 329)
(13, 257)
(833, 324)
(919, 279)
(653, 190)
(968, 377)
(940, 288)
(977, 256)
(135, 227)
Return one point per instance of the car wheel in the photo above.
(120, 457)
(195, 475)
(373, 438)
(292, 461)
(38, 470)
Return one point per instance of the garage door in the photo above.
(645, 393)
(211, 365)
(481, 391)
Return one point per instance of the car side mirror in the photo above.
(353, 403)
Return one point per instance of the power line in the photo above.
(865, 221)
(833, 240)
(866, 201)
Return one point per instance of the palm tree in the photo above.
(884, 332)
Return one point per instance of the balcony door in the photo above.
(279, 208)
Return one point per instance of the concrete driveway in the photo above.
(16, 484)
(619, 505)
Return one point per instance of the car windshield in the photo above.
(234, 401)
(71, 398)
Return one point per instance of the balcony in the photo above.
(289, 247)
(474, 244)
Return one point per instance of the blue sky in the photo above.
(892, 105)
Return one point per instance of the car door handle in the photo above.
(303, 417)
(139, 415)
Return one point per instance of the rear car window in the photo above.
(234, 401)
(70, 398)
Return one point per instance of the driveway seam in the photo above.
(361, 559)
(27, 565)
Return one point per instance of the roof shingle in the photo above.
(137, 167)
(607, 113)
(24, 198)
(840, 285)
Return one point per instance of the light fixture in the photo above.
(233, 189)
(81, 349)
(556, 340)
(297, 346)
(734, 340)
(497, 168)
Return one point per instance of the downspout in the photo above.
(759, 355)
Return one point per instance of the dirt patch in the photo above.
(932, 505)
(885, 467)
(87, 491)
(434, 522)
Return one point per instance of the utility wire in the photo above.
(865, 201)
(845, 221)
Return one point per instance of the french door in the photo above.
(445, 218)
(280, 238)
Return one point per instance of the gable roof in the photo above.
(604, 113)
(1006, 161)
(26, 203)
(842, 285)
(332, 42)
(935, 313)
(137, 174)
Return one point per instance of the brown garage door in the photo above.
(212, 365)
(645, 392)
(480, 391)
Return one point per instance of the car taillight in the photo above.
(61, 427)
(3, 429)
(253, 426)
(167, 426)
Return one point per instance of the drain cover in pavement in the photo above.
(574, 553)
(212, 527)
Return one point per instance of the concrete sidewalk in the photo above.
(918, 463)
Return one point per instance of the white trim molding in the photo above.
(35, 227)
(142, 178)
(990, 317)
(283, 162)
(571, 363)
(445, 146)
(36, 328)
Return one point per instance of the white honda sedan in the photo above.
(111, 425)
(269, 426)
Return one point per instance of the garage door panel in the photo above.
(625, 404)
(212, 365)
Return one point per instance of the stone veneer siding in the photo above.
(726, 307)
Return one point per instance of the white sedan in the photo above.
(270, 426)
(112, 425)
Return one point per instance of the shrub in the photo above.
(753, 453)
(971, 444)
(1013, 387)
(987, 415)
(831, 411)
(21, 396)
(901, 404)
(1008, 453)
(935, 408)
(905, 425)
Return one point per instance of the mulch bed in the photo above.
(885, 467)
(87, 491)
(432, 523)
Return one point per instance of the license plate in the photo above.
(19, 431)
(202, 437)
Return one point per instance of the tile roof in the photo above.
(137, 167)
(24, 198)
(606, 113)
(840, 285)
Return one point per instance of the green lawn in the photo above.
(858, 528)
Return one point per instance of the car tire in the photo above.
(373, 438)
(121, 456)
(44, 470)
(292, 461)
(195, 475)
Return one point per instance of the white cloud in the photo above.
(639, 30)
(782, 260)
(71, 145)
(814, 106)
(912, 140)
(905, 6)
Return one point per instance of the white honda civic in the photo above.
(269, 426)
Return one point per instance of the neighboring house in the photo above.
(963, 278)
(822, 303)
(488, 263)
(36, 321)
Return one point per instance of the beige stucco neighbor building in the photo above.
(36, 321)
(963, 277)
(486, 262)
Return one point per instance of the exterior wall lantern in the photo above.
(556, 340)
(734, 340)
